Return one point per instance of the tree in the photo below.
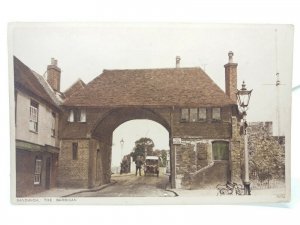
(140, 146)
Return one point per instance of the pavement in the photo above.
(66, 192)
(212, 193)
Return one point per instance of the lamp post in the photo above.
(243, 97)
(122, 144)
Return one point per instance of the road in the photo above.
(133, 186)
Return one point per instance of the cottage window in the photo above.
(37, 171)
(202, 114)
(216, 113)
(33, 119)
(82, 115)
(77, 115)
(193, 115)
(74, 150)
(220, 150)
(185, 115)
(53, 122)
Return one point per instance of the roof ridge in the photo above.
(162, 68)
(75, 82)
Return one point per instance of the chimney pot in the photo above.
(53, 62)
(178, 61)
(230, 57)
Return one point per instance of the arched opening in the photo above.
(125, 136)
(127, 124)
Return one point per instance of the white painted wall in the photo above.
(43, 136)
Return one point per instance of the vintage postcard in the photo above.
(150, 113)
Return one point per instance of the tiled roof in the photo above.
(151, 87)
(25, 79)
(77, 86)
(47, 88)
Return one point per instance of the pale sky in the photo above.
(84, 50)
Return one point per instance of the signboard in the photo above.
(176, 141)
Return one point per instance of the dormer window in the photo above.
(77, 115)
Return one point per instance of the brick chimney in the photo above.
(178, 61)
(231, 77)
(53, 75)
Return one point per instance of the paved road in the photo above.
(133, 186)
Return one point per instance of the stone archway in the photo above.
(101, 139)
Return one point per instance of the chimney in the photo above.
(53, 75)
(177, 61)
(231, 77)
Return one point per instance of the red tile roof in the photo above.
(25, 79)
(77, 86)
(151, 87)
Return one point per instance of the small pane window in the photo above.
(216, 114)
(184, 114)
(37, 171)
(202, 113)
(193, 115)
(33, 116)
(74, 150)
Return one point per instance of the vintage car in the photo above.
(151, 165)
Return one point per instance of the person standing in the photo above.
(138, 165)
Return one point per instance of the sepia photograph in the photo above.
(144, 113)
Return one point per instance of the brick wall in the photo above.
(74, 173)
(96, 134)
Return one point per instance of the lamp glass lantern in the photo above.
(243, 97)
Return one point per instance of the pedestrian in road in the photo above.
(138, 165)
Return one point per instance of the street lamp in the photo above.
(122, 144)
(243, 97)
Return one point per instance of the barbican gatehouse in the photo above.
(201, 118)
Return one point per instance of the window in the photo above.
(53, 122)
(37, 171)
(82, 115)
(220, 150)
(216, 113)
(202, 114)
(33, 120)
(184, 114)
(74, 150)
(193, 115)
(77, 115)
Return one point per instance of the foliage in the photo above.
(267, 160)
(140, 146)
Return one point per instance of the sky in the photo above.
(83, 50)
